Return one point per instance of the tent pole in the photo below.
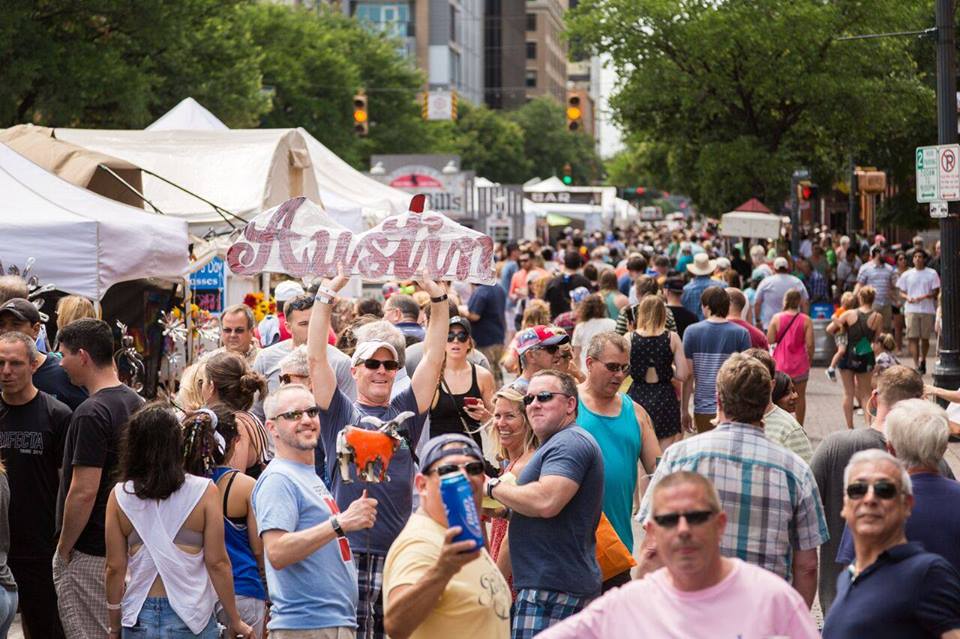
(188, 318)
(130, 187)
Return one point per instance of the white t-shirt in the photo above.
(916, 283)
(584, 332)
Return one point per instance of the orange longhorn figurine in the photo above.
(370, 450)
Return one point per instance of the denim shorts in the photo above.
(157, 620)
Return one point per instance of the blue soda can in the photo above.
(461, 509)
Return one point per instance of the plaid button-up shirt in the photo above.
(769, 494)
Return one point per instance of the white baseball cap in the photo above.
(287, 290)
(365, 350)
(781, 264)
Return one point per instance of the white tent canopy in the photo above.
(83, 243)
(188, 115)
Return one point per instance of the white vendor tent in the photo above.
(188, 115)
(244, 171)
(83, 243)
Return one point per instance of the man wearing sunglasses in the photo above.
(375, 366)
(556, 507)
(775, 516)
(893, 588)
(699, 593)
(433, 586)
(622, 429)
(539, 349)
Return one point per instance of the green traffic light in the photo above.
(568, 180)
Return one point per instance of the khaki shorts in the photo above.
(920, 325)
(704, 422)
(886, 311)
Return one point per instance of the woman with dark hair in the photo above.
(610, 292)
(166, 560)
(228, 379)
(209, 436)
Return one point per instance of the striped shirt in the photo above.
(783, 428)
(769, 494)
(880, 278)
(709, 344)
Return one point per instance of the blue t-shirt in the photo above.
(560, 553)
(619, 441)
(905, 594)
(321, 590)
(692, 292)
(395, 497)
(624, 284)
(488, 302)
(52, 379)
(709, 344)
(934, 520)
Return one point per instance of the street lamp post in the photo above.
(946, 373)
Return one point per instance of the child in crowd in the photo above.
(848, 301)
(884, 350)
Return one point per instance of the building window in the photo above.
(531, 51)
(392, 19)
(531, 79)
(456, 76)
(453, 24)
(531, 22)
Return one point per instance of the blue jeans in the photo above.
(157, 620)
(8, 610)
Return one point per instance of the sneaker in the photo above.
(831, 374)
(923, 368)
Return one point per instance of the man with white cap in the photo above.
(375, 366)
(702, 268)
(769, 298)
(273, 327)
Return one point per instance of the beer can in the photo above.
(461, 508)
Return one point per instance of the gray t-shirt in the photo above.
(770, 294)
(394, 497)
(560, 553)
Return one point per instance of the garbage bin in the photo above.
(823, 345)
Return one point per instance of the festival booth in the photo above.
(79, 242)
(556, 205)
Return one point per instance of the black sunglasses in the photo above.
(882, 489)
(543, 397)
(473, 468)
(374, 364)
(295, 415)
(694, 518)
(287, 378)
(460, 336)
(613, 367)
(552, 349)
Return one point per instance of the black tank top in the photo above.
(448, 415)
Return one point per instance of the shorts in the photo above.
(158, 620)
(886, 311)
(801, 378)
(704, 422)
(920, 325)
(855, 363)
(840, 339)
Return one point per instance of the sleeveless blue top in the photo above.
(619, 440)
(246, 575)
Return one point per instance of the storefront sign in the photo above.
(592, 198)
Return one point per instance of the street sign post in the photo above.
(928, 174)
(949, 169)
(938, 209)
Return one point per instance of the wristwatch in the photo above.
(335, 523)
(493, 483)
(442, 298)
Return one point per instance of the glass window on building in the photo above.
(531, 51)
(391, 19)
(531, 79)
(456, 74)
(531, 22)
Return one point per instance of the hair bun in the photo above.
(252, 382)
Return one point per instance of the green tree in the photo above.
(491, 145)
(741, 93)
(549, 145)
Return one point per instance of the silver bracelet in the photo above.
(115, 606)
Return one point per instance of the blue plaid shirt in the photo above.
(817, 288)
(692, 291)
(768, 492)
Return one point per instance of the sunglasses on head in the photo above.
(882, 489)
(295, 415)
(694, 518)
(473, 468)
(374, 364)
(613, 367)
(543, 397)
(459, 336)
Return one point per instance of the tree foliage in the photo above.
(738, 94)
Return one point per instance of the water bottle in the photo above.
(458, 502)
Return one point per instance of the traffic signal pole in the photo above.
(946, 373)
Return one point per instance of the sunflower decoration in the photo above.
(260, 304)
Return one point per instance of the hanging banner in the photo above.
(299, 239)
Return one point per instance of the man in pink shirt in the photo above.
(698, 593)
(738, 301)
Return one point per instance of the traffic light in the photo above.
(567, 174)
(574, 113)
(807, 191)
(361, 123)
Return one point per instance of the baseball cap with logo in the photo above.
(578, 294)
(539, 336)
(22, 309)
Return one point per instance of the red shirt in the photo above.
(757, 338)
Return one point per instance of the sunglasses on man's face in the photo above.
(374, 364)
(543, 397)
(286, 378)
(473, 468)
(882, 489)
(694, 518)
(458, 336)
(295, 415)
(613, 367)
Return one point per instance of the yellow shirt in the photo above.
(476, 601)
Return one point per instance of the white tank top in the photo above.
(185, 578)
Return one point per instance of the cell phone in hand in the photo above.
(472, 401)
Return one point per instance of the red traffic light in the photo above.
(640, 190)
(806, 192)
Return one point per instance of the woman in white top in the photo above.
(164, 534)
(591, 319)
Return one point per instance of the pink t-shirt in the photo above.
(750, 603)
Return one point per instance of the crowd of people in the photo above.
(627, 411)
